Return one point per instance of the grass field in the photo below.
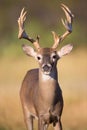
(73, 81)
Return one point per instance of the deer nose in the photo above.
(47, 67)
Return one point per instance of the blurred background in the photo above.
(43, 16)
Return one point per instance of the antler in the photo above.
(22, 33)
(67, 24)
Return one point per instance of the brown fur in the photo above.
(44, 101)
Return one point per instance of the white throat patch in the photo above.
(46, 77)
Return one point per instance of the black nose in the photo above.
(47, 67)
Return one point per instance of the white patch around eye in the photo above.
(38, 57)
(53, 56)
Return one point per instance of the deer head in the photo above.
(47, 57)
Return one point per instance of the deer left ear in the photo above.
(29, 50)
(65, 50)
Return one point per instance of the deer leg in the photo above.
(46, 127)
(29, 123)
(41, 124)
(58, 125)
(28, 118)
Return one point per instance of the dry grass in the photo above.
(73, 81)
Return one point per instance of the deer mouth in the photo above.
(47, 69)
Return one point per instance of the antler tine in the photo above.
(67, 9)
(67, 24)
(22, 33)
(69, 18)
(56, 39)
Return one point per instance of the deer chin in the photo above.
(47, 72)
(46, 69)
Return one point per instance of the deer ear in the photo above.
(28, 50)
(65, 50)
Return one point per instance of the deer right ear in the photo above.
(65, 50)
(29, 50)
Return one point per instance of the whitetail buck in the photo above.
(40, 94)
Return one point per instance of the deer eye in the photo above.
(54, 56)
(38, 57)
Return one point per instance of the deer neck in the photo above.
(47, 86)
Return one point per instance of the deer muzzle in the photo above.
(46, 68)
